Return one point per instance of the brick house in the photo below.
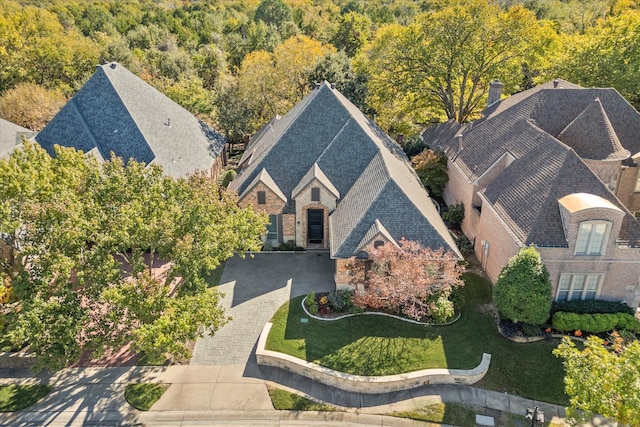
(116, 111)
(330, 179)
(554, 166)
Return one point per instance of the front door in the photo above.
(315, 225)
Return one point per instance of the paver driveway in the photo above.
(254, 288)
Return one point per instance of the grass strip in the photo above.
(142, 396)
(14, 397)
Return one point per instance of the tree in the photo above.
(354, 30)
(408, 279)
(606, 56)
(523, 290)
(431, 167)
(601, 381)
(72, 226)
(30, 105)
(445, 60)
(273, 12)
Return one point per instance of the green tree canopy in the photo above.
(444, 61)
(84, 238)
(601, 381)
(523, 291)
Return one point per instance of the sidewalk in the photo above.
(223, 395)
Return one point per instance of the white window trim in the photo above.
(584, 290)
(605, 240)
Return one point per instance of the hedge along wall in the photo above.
(594, 323)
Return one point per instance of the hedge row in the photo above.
(595, 323)
(591, 307)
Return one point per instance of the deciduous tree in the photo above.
(73, 225)
(431, 167)
(408, 278)
(523, 291)
(601, 381)
(30, 105)
(446, 59)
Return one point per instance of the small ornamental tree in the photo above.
(523, 291)
(431, 167)
(408, 279)
(601, 381)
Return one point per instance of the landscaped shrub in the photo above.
(591, 307)
(347, 300)
(336, 301)
(442, 309)
(464, 244)
(311, 303)
(228, 177)
(530, 330)
(455, 215)
(431, 167)
(523, 291)
(594, 323)
(289, 245)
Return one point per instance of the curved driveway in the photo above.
(254, 288)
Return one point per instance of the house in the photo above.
(554, 166)
(11, 137)
(330, 179)
(117, 112)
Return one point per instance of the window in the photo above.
(272, 229)
(262, 198)
(592, 238)
(378, 243)
(579, 286)
(315, 194)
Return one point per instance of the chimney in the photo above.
(556, 82)
(495, 90)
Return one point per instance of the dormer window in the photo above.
(262, 198)
(592, 237)
(315, 194)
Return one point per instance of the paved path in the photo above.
(254, 288)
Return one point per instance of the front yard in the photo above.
(376, 345)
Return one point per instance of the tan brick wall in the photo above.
(273, 205)
(502, 245)
(303, 204)
(458, 189)
(288, 227)
(626, 189)
(342, 274)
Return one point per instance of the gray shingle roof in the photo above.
(115, 111)
(11, 136)
(592, 136)
(369, 171)
(596, 123)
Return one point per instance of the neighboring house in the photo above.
(330, 179)
(117, 112)
(554, 166)
(11, 137)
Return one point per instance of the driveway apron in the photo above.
(255, 287)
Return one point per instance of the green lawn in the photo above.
(376, 345)
(287, 401)
(142, 396)
(16, 397)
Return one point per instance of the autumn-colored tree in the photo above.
(443, 63)
(408, 279)
(602, 381)
(30, 105)
(71, 225)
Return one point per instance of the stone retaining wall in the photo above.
(367, 384)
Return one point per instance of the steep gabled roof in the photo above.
(315, 173)
(326, 137)
(115, 111)
(266, 179)
(11, 136)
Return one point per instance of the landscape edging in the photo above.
(367, 384)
